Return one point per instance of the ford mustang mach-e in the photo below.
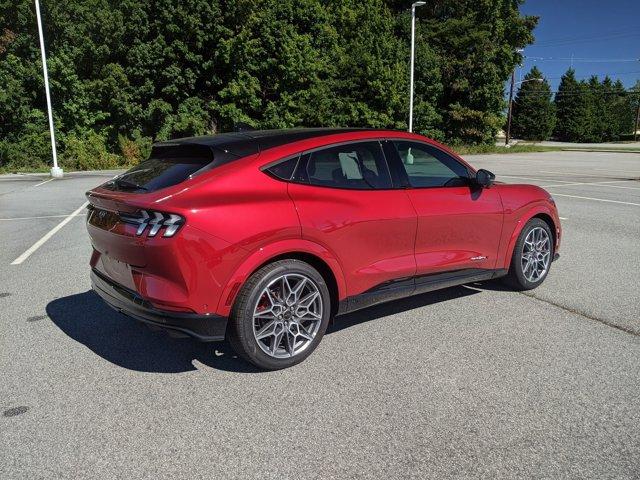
(263, 237)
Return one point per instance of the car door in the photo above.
(346, 202)
(459, 223)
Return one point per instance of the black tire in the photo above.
(241, 329)
(516, 278)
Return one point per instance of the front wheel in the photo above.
(532, 256)
(280, 315)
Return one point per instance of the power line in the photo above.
(588, 92)
(608, 74)
(581, 59)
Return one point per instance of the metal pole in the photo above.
(413, 40)
(508, 134)
(55, 170)
(637, 125)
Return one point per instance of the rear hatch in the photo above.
(122, 217)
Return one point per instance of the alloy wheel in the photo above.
(287, 315)
(536, 254)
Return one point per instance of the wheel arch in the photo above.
(541, 212)
(313, 254)
(548, 219)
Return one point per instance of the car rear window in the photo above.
(167, 166)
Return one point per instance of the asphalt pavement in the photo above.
(469, 382)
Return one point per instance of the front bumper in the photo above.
(206, 328)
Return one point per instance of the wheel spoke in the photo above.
(267, 331)
(304, 333)
(275, 343)
(309, 298)
(291, 343)
(309, 317)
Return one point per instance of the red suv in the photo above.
(264, 236)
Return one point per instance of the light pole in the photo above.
(637, 122)
(513, 83)
(413, 52)
(56, 171)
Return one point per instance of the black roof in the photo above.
(230, 146)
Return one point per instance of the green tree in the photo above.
(476, 42)
(125, 73)
(533, 110)
(573, 115)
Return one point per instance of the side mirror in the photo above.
(484, 178)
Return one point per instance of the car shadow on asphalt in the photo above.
(129, 344)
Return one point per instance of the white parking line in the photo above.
(596, 199)
(575, 174)
(563, 218)
(36, 218)
(597, 184)
(42, 183)
(48, 235)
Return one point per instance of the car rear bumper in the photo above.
(206, 328)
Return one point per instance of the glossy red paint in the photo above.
(238, 218)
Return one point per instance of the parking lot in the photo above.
(472, 381)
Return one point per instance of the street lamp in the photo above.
(56, 171)
(513, 83)
(413, 51)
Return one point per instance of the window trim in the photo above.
(304, 157)
(398, 165)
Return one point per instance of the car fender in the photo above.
(268, 252)
(530, 211)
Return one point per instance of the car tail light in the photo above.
(155, 221)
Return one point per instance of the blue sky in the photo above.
(602, 36)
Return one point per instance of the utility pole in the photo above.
(56, 171)
(508, 133)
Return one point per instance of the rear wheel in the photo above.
(280, 315)
(532, 256)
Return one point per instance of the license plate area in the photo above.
(117, 271)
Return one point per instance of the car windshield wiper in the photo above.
(128, 184)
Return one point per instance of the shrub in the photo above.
(88, 151)
(135, 149)
(31, 152)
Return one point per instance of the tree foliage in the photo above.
(125, 73)
(592, 111)
(533, 110)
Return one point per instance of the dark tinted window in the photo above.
(428, 166)
(356, 165)
(167, 166)
(284, 170)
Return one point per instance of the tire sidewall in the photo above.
(244, 315)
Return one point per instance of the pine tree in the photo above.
(533, 110)
(572, 109)
(596, 116)
(618, 110)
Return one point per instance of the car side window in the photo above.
(359, 166)
(428, 166)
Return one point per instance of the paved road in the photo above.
(473, 382)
